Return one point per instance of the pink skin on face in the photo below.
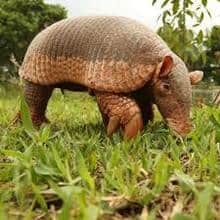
(175, 111)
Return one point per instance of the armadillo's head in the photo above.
(172, 93)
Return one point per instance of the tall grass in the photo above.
(70, 169)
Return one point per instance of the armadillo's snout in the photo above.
(180, 128)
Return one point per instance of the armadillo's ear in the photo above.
(195, 77)
(164, 68)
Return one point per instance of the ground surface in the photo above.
(71, 170)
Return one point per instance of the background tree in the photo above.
(181, 29)
(20, 21)
(212, 50)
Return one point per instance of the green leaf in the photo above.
(190, 13)
(45, 134)
(187, 180)
(115, 158)
(196, 25)
(60, 164)
(182, 217)
(209, 12)
(83, 171)
(153, 2)
(43, 169)
(161, 173)
(175, 6)
(39, 197)
(213, 154)
(201, 17)
(204, 58)
(203, 205)
(66, 209)
(200, 37)
(25, 115)
(67, 194)
(91, 213)
(188, 3)
(204, 2)
(215, 117)
(164, 3)
(2, 211)
(165, 14)
(15, 154)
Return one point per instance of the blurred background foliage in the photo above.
(181, 29)
(21, 20)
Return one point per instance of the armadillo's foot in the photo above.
(113, 125)
(38, 120)
(123, 112)
(133, 127)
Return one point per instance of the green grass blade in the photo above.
(83, 171)
(39, 197)
(25, 115)
(203, 204)
(2, 212)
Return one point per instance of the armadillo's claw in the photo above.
(133, 127)
(113, 125)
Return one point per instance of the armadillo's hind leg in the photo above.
(123, 112)
(37, 97)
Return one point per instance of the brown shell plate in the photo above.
(113, 54)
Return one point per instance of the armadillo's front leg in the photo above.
(145, 104)
(147, 112)
(37, 97)
(122, 111)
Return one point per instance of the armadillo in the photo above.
(126, 65)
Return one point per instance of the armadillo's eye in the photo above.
(164, 89)
(166, 86)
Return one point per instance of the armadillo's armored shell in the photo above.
(113, 54)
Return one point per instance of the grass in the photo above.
(70, 169)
